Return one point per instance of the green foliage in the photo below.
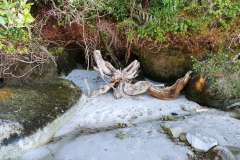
(165, 10)
(187, 25)
(15, 14)
(129, 27)
(15, 17)
(223, 11)
(80, 11)
(151, 31)
(119, 10)
(160, 16)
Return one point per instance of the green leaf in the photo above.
(6, 2)
(1, 45)
(20, 25)
(27, 25)
(10, 21)
(25, 12)
(3, 6)
(29, 18)
(12, 10)
(19, 20)
(20, 15)
(2, 21)
(3, 13)
(28, 6)
(13, 4)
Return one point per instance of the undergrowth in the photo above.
(150, 20)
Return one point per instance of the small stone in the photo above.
(183, 107)
(200, 142)
(170, 118)
(175, 132)
(164, 118)
(123, 135)
(174, 114)
(219, 153)
(173, 118)
(165, 127)
(161, 131)
(182, 137)
(121, 125)
(134, 117)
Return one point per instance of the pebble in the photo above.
(175, 132)
(170, 118)
(165, 127)
(123, 135)
(182, 137)
(161, 131)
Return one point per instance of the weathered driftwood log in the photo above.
(161, 92)
(121, 81)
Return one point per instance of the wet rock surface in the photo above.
(31, 114)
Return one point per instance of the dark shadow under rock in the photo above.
(30, 115)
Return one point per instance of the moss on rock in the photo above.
(221, 94)
(36, 105)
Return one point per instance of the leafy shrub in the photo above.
(15, 18)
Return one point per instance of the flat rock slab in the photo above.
(30, 115)
(108, 128)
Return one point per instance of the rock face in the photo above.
(28, 73)
(234, 150)
(168, 63)
(221, 95)
(8, 128)
(31, 114)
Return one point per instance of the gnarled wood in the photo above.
(121, 81)
(171, 92)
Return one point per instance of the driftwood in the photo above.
(121, 81)
(161, 92)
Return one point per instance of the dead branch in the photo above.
(108, 49)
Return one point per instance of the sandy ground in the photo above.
(92, 133)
